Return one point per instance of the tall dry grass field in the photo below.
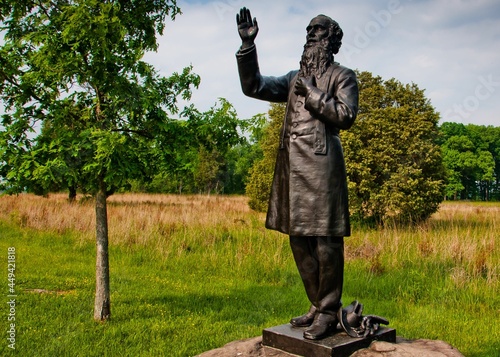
(133, 218)
(464, 234)
(167, 224)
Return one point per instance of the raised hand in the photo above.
(247, 28)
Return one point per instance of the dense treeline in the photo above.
(203, 152)
(395, 142)
(400, 162)
(471, 155)
(215, 152)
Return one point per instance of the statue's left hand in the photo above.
(304, 85)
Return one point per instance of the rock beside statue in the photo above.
(252, 347)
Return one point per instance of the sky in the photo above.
(449, 48)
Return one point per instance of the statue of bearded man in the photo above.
(308, 198)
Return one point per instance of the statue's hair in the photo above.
(335, 34)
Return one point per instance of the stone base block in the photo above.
(290, 339)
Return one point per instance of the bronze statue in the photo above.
(309, 191)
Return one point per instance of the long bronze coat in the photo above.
(309, 190)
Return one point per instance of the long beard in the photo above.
(316, 59)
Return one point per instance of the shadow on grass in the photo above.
(255, 305)
(198, 322)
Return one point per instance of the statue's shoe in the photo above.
(322, 326)
(304, 320)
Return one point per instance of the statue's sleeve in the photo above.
(253, 84)
(338, 107)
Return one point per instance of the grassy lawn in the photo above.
(192, 273)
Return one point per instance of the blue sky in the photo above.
(449, 48)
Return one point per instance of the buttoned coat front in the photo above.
(309, 190)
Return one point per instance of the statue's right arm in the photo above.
(253, 84)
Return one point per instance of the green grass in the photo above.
(202, 295)
(174, 307)
(421, 301)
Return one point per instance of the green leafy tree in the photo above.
(172, 162)
(197, 154)
(208, 171)
(471, 157)
(393, 161)
(80, 103)
(461, 161)
(212, 135)
(486, 140)
(260, 179)
(239, 161)
(241, 157)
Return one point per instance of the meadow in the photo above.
(192, 273)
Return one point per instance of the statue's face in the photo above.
(317, 29)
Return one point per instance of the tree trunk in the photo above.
(72, 194)
(102, 306)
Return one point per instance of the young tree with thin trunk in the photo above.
(81, 106)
